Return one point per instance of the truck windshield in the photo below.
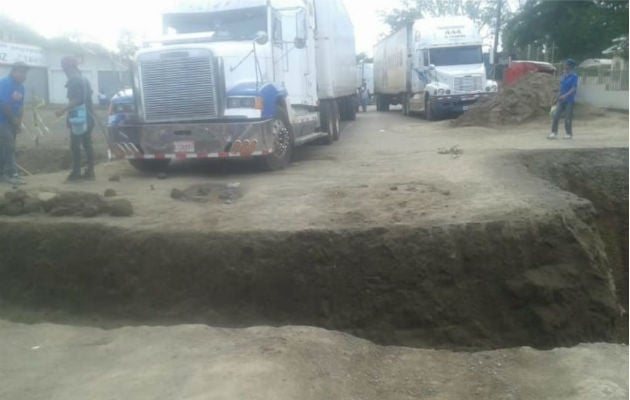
(242, 24)
(456, 55)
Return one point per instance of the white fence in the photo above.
(604, 87)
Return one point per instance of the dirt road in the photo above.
(197, 362)
(404, 232)
(386, 170)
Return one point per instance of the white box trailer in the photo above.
(434, 66)
(336, 57)
(241, 79)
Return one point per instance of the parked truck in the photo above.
(240, 79)
(432, 66)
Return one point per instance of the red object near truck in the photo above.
(517, 69)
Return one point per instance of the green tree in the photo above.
(363, 57)
(578, 29)
(127, 45)
(483, 12)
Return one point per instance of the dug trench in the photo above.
(545, 280)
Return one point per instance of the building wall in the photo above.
(90, 67)
(599, 96)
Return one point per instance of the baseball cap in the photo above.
(69, 62)
(570, 62)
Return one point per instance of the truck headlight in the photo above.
(245, 102)
(440, 91)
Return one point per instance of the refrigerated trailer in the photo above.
(433, 66)
(240, 79)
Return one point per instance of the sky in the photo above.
(102, 21)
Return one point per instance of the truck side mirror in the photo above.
(261, 38)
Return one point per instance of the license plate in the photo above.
(184, 147)
(465, 108)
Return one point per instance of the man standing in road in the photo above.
(80, 118)
(364, 95)
(11, 111)
(566, 101)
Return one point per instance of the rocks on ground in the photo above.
(209, 192)
(59, 204)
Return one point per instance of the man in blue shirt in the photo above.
(566, 101)
(11, 111)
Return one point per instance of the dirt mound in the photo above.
(59, 204)
(530, 97)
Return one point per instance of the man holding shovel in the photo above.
(11, 111)
(80, 119)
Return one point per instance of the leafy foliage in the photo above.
(577, 29)
(482, 12)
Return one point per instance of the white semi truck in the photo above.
(432, 66)
(240, 79)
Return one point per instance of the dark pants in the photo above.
(76, 141)
(8, 166)
(567, 110)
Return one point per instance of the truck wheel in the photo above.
(327, 122)
(150, 165)
(336, 118)
(384, 103)
(405, 105)
(282, 142)
(352, 110)
(428, 110)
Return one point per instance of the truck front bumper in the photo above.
(457, 104)
(225, 139)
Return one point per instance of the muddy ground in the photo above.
(405, 232)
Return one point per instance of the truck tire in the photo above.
(150, 165)
(336, 118)
(405, 105)
(282, 142)
(330, 117)
(428, 110)
(327, 123)
(352, 110)
(382, 103)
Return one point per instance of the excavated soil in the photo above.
(544, 280)
(530, 97)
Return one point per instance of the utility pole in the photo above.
(497, 32)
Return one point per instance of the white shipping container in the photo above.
(335, 54)
(391, 63)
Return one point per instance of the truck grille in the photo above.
(178, 87)
(468, 84)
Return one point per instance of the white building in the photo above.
(47, 81)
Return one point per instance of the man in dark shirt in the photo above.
(566, 101)
(11, 111)
(79, 105)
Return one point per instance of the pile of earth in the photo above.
(59, 204)
(530, 97)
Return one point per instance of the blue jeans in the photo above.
(76, 142)
(8, 166)
(567, 110)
